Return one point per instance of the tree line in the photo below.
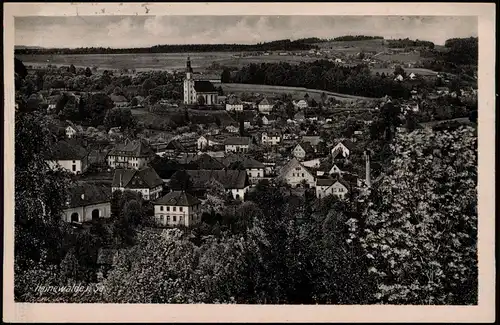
(408, 43)
(355, 38)
(279, 45)
(323, 75)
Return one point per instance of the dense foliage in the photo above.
(356, 38)
(278, 45)
(324, 75)
(408, 43)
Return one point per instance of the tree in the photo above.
(420, 230)
(226, 75)
(399, 71)
(201, 100)
(148, 85)
(120, 117)
(72, 69)
(181, 181)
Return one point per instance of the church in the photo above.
(194, 90)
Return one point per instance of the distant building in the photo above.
(296, 174)
(87, 202)
(68, 155)
(145, 181)
(255, 169)
(301, 104)
(302, 150)
(196, 89)
(265, 106)
(343, 149)
(271, 138)
(119, 100)
(332, 186)
(131, 154)
(177, 208)
(235, 182)
(234, 104)
(237, 144)
(70, 132)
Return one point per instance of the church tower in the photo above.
(189, 95)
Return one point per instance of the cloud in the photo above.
(132, 31)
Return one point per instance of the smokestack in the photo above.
(368, 180)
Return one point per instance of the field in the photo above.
(155, 61)
(354, 46)
(296, 92)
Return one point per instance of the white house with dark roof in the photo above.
(255, 169)
(302, 150)
(119, 100)
(343, 149)
(332, 186)
(235, 182)
(272, 137)
(68, 155)
(295, 174)
(237, 144)
(131, 154)
(234, 104)
(87, 202)
(177, 208)
(265, 106)
(145, 181)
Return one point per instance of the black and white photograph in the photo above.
(245, 159)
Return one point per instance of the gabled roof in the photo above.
(247, 162)
(265, 101)
(306, 146)
(205, 161)
(178, 198)
(66, 150)
(329, 181)
(92, 194)
(175, 145)
(234, 101)
(292, 164)
(204, 86)
(137, 148)
(143, 178)
(118, 98)
(347, 143)
(230, 179)
(238, 141)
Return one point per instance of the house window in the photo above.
(174, 208)
(161, 208)
(161, 219)
(180, 209)
(174, 219)
(168, 208)
(74, 168)
(302, 174)
(74, 161)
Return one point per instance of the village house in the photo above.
(131, 154)
(145, 181)
(268, 119)
(232, 129)
(87, 202)
(119, 100)
(313, 163)
(303, 150)
(265, 106)
(301, 104)
(332, 186)
(235, 182)
(68, 155)
(172, 149)
(299, 117)
(234, 104)
(177, 208)
(296, 174)
(205, 161)
(70, 131)
(207, 141)
(237, 144)
(342, 150)
(255, 169)
(271, 138)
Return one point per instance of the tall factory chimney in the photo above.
(368, 180)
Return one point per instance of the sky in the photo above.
(144, 31)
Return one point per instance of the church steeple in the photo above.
(188, 65)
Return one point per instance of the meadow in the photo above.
(154, 61)
(296, 92)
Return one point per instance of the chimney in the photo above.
(368, 180)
